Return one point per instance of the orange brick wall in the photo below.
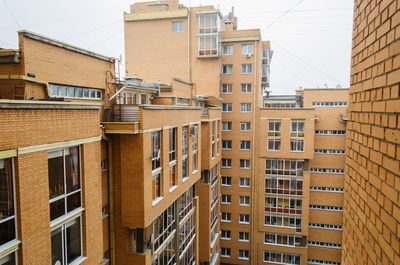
(371, 226)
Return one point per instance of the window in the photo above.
(226, 126)
(208, 45)
(244, 219)
(227, 50)
(247, 49)
(226, 107)
(243, 254)
(226, 88)
(297, 136)
(227, 69)
(226, 163)
(226, 144)
(65, 196)
(246, 88)
(244, 236)
(64, 181)
(226, 181)
(326, 208)
(276, 204)
(244, 182)
(274, 135)
(185, 144)
(156, 187)
(329, 104)
(322, 262)
(245, 107)
(324, 244)
(156, 150)
(7, 207)
(182, 101)
(281, 258)
(283, 186)
(225, 252)
(244, 200)
(247, 68)
(330, 132)
(285, 240)
(245, 145)
(282, 221)
(225, 234)
(226, 199)
(194, 147)
(244, 163)
(209, 23)
(225, 217)
(326, 226)
(327, 170)
(177, 26)
(326, 189)
(172, 157)
(330, 151)
(284, 167)
(65, 91)
(66, 242)
(245, 126)
(162, 227)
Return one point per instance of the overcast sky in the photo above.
(311, 39)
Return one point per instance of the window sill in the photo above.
(225, 203)
(9, 247)
(156, 171)
(243, 240)
(194, 172)
(293, 151)
(105, 215)
(106, 261)
(243, 258)
(223, 256)
(185, 179)
(222, 238)
(212, 158)
(156, 201)
(222, 221)
(65, 218)
(79, 261)
(273, 150)
(245, 168)
(173, 188)
(226, 167)
(225, 185)
(242, 223)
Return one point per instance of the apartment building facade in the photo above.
(50, 152)
(371, 201)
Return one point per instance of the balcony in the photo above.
(123, 113)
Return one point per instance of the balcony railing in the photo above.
(123, 113)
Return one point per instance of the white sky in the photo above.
(311, 43)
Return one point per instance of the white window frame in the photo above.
(226, 144)
(227, 124)
(226, 89)
(226, 217)
(226, 163)
(225, 234)
(227, 69)
(227, 107)
(227, 50)
(244, 236)
(244, 200)
(244, 218)
(245, 184)
(226, 199)
(246, 163)
(226, 178)
(177, 26)
(246, 88)
(247, 69)
(245, 107)
(225, 252)
(245, 126)
(247, 49)
(245, 145)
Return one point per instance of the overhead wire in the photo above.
(281, 16)
(109, 38)
(12, 14)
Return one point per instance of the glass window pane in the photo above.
(56, 174)
(7, 231)
(73, 240)
(74, 201)
(71, 92)
(72, 168)
(6, 189)
(79, 92)
(57, 209)
(56, 247)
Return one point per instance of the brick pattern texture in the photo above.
(371, 227)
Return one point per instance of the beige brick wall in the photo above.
(371, 207)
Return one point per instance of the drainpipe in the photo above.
(253, 257)
(110, 194)
(189, 60)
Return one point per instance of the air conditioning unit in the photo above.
(248, 55)
(193, 130)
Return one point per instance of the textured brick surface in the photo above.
(371, 226)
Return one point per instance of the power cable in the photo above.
(306, 63)
(92, 30)
(284, 14)
(100, 42)
(9, 10)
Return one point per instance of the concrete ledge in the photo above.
(165, 107)
(31, 104)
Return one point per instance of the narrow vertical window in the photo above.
(185, 144)
(172, 157)
(297, 136)
(274, 135)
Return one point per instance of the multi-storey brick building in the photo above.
(371, 227)
(50, 151)
(206, 48)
